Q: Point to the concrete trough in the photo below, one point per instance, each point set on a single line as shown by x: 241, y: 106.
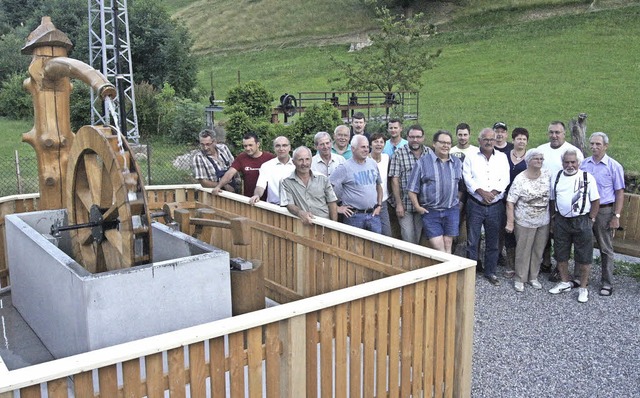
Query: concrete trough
x: 73, y: 311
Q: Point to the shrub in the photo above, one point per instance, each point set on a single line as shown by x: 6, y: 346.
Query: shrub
x: 187, y: 123
x: 147, y: 108
x: 15, y: 101
x: 324, y: 117
x: 80, y: 105
x: 253, y: 97
x: 237, y: 125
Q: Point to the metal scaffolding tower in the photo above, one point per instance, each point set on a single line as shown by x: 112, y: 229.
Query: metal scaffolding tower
x: 110, y: 53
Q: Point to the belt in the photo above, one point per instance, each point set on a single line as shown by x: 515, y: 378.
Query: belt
x: 607, y: 205
x: 482, y: 203
x: 365, y: 211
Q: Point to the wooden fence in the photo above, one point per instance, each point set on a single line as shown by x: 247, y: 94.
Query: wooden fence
x: 362, y: 315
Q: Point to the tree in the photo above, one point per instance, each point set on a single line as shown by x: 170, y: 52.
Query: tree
x: 251, y: 98
x: 396, y: 59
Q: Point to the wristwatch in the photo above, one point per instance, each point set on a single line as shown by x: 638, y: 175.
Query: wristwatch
x: 617, y: 215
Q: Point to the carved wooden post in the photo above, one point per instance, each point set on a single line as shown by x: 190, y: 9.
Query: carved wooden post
x: 50, y: 87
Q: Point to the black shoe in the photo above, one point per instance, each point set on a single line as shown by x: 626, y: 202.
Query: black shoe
x: 493, y: 280
x: 546, y: 268
x: 554, y: 276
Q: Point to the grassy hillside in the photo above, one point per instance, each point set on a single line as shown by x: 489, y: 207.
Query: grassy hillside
x: 526, y: 74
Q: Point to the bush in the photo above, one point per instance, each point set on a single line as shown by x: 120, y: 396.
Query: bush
x: 237, y: 125
x: 324, y: 117
x: 147, y: 108
x: 15, y: 101
x: 253, y: 98
x: 80, y: 104
x: 187, y: 123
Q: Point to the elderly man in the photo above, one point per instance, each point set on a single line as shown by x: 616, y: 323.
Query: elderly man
x: 400, y: 168
x: 609, y: 176
x: 486, y: 175
x: 248, y: 164
x: 324, y: 161
x: 552, y: 152
x: 436, y: 178
x: 273, y: 171
x: 212, y: 161
x: 307, y: 194
x: 341, y: 146
x: 395, y: 141
x: 574, y: 206
x: 358, y: 185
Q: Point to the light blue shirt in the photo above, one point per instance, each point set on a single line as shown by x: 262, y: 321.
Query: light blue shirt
x: 389, y: 148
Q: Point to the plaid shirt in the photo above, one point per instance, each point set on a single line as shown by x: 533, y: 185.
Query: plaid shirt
x: 204, y: 170
x: 401, y: 164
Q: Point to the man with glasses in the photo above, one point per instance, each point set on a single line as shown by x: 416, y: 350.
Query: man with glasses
x: 434, y: 190
x: 486, y: 175
x: 212, y: 161
x: 402, y: 163
x: 552, y: 152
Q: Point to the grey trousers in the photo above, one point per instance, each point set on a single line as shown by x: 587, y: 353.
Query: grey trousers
x: 602, y: 233
x: 411, y: 227
x: 530, y: 243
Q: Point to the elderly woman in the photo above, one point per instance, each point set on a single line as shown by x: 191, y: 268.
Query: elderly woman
x: 528, y: 217
x: 377, y: 145
x: 212, y: 161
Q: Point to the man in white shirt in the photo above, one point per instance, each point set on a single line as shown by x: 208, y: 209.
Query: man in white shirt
x: 486, y: 175
x: 464, y: 147
x: 273, y: 171
x: 324, y: 161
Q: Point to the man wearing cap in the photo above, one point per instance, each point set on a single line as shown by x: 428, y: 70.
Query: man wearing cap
x: 609, y: 176
x: 501, y: 143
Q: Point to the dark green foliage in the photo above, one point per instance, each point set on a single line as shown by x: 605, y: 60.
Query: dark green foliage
x: 189, y: 120
x: 237, y: 125
x: 15, y: 102
x: 11, y: 61
x: 251, y: 98
x: 316, y: 118
x: 80, y: 105
x: 147, y: 108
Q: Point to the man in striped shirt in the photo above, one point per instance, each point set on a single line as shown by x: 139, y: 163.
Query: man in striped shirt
x: 434, y: 189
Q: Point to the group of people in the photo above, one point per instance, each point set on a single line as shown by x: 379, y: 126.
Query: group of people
x: 521, y: 199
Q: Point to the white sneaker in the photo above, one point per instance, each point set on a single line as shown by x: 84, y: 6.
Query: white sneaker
x: 519, y: 286
x: 583, y: 295
x: 561, y: 287
x: 535, y: 284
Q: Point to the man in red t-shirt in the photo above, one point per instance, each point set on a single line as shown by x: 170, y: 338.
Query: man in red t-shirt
x: 248, y: 164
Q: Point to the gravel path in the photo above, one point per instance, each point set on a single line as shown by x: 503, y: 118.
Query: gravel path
x: 534, y: 344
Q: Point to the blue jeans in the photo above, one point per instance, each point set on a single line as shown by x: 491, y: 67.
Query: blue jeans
x: 491, y: 217
x: 365, y: 221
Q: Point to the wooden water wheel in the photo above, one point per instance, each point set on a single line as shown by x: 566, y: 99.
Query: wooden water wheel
x: 105, y: 190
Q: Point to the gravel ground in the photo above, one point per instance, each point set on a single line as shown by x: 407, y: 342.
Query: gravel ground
x: 534, y: 344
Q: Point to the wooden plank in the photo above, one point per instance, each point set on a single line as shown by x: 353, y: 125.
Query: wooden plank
x: 83, y: 384
x: 177, y: 377
x: 254, y: 362
x: 132, y: 379
x: 382, y: 341
x: 429, y: 336
x: 30, y: 392
x: 197, y: 370
x: 108, y: 381
x: 369, y: 348
x: 57, y: 388
x: 450, y: 335
x: 155, y: 375
x: 326, y: 352
x: 217, y: 368
x: 294, y: 370
x: 395, y: 300
x: 417, y: 362
x: 273, y: 360
x: 440, y: 322
x: 312, y: 339
x: 342, y: 314
x: 464, y: 332
x: 236, y: 364
x: 355, y: 349
x: 408, y: 294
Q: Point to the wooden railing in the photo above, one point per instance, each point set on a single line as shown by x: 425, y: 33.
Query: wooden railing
x: 363, y: 315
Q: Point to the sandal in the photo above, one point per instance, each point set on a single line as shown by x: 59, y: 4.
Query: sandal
x: 606, y: 291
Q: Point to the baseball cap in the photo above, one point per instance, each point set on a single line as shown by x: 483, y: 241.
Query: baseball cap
x: 500, y: 125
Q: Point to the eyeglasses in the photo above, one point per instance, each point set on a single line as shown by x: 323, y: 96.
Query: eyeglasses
x: 554, y: 132
x: 487, y: 139
x: 414, y: 137
x: 447, y: 143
